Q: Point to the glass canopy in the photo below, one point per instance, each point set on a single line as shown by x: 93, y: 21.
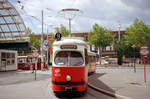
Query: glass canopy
x: 12, y: 26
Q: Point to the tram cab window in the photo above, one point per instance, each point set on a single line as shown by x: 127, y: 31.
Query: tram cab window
x: 76, y: 59
x: 69, y: 58
x: 61, y: 58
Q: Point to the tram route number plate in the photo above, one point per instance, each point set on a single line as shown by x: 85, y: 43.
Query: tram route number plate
x: 68, y: 88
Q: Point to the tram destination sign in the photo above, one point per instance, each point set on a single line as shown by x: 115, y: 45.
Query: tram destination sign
x: 68, y: 47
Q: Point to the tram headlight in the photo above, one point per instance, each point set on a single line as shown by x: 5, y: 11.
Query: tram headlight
x: 68, y: 78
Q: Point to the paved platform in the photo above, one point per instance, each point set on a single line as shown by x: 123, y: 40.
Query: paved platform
x: 119, y: 80
x: 124, y: 81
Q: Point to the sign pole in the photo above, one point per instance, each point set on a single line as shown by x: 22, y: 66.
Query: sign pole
x: 144, y: 70
x: 35, y: 54
x: 35, y: 68
x: 35, y: 74
x: 144, y: 52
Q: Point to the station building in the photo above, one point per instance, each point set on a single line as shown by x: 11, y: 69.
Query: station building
x: 107, y: 51
x: 13, y: 38
x: 12, y: 28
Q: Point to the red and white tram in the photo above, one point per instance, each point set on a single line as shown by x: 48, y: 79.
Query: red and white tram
x: 69, y: 66
x: 23, y: 62
x: 91, y: 62
x: 27, y: 63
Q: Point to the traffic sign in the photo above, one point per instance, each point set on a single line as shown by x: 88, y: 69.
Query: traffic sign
x: 46, y: 42
x: 144, y: 47
x: 35, y: 53
x: 45, y: 48
x: 144, y: 51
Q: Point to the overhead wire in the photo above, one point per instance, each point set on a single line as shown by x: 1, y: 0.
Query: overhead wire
x: 34, y: 17
x: 57, y: 14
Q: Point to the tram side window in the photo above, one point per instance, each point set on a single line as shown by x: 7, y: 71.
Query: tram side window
x: 89, y: 59
x: 94, y: 58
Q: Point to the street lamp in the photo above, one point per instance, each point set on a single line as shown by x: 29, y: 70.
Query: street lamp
x: 119, y: 32
x: 42, y: 32
x: 69, y: 14
x: 42, y: 35
x: 133, y: 46
x: 42, y: 60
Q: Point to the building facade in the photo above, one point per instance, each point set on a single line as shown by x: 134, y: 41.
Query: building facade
x: 109, y: 50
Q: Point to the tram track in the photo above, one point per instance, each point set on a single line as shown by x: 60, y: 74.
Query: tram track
x: 97, y: 86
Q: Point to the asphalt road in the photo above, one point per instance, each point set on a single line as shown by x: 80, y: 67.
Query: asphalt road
x: 22, y: 85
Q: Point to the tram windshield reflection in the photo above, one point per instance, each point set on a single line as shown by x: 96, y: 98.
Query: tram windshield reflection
x: 69, y: 58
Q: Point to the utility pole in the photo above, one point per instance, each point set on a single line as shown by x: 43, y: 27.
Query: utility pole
x: 134, y: 60
x: 47, y: 47
x: 42, y: 43
x: 70, y: 27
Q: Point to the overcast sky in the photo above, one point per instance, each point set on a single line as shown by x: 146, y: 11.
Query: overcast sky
x: 107, y: 13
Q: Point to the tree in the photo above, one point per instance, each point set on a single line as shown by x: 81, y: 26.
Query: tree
x: 137, y: 34
x: 34, y: 42
x: 100, y: 37
x: 52, y: 39
x: 62, y: 29
x: 121, y: 49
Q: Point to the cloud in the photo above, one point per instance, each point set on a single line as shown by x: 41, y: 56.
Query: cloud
x: 140, y: 9
x: 142, y: 4
x: 107, y: 13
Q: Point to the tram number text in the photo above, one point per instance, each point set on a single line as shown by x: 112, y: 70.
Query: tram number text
x: 57, y: 74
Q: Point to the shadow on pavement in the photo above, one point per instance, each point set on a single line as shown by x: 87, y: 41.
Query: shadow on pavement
x: 95, y: 81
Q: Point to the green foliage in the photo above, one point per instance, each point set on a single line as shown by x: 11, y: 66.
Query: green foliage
x: 34, y: 42
x: 119, y: 57
x: 52, y: 39
x: 125, y: 50
x: 137, y: 34
x: 120, y: 48
x: 62, y: 29
x: 100, y: 37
